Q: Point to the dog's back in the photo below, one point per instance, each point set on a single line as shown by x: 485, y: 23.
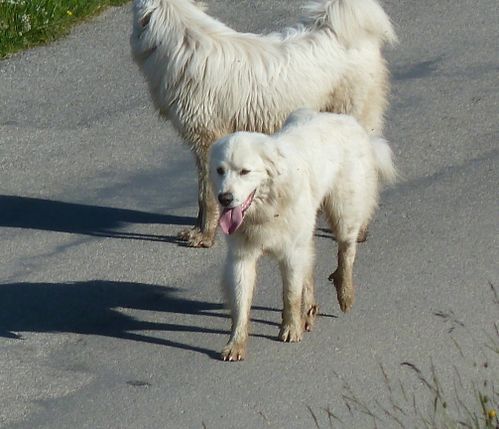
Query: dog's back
x: 339, y: 161
x: 327, y: 144
x: 329, y: 139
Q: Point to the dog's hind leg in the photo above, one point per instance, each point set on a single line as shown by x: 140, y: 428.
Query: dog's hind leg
x: 346, y: 231
x: 343, y: 276
x: 363, y: 233
x: 239, y: 282
x: 203, y: 233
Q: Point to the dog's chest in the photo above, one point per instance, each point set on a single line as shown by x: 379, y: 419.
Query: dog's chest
x: 271, y: 237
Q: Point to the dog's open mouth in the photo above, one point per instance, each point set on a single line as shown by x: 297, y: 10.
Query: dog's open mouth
x: 232, y: 218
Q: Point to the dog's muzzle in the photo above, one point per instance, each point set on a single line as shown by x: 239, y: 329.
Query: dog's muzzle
x: 225, y: 198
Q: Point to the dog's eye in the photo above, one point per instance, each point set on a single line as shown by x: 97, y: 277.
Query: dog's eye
x: 145, y: 20
x: 220, y: 171
x: 244, y: 172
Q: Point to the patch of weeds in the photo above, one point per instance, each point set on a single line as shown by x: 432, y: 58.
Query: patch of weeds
x: 431, y: 403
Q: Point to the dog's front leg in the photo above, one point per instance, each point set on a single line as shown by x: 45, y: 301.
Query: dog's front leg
x: 208, y: 205
x: 310, y: 308
x: 295, y: 268
x: 203, y: 233
x: 239, y: 282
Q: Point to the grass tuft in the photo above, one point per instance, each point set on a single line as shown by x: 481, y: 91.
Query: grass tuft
x: 28, y: 23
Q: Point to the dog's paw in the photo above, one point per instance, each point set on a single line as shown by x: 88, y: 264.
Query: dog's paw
x: 310, y: 317
x: 290, y: 333
x: 344, y: 292
x: 233, y: 352
x: 185, y: 234
x: 194, y: 237
x: 345, y: 300
x: 363, y: 233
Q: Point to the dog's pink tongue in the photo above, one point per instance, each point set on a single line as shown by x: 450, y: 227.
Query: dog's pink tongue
x: 231, y: 219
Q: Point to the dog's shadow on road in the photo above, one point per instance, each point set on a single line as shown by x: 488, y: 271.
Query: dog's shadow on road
x: 93, y: 307
x: 48, y: 215
x: 100, y: 308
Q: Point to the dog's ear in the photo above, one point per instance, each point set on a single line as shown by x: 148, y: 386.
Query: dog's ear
x: 273, y: 159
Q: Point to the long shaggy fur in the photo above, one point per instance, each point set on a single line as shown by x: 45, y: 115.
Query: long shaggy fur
x: 278, y: 183
x: 211, y: 80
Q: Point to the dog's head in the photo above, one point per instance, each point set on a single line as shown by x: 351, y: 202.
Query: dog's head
x: 162, y: 45
x: 160, y: 25
x: 144, y: 39
x: 242, y: 168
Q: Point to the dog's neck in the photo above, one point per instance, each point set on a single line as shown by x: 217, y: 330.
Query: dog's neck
x: 189, y: 24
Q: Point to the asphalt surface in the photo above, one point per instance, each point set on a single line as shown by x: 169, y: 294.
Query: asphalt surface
x: 106, y: 322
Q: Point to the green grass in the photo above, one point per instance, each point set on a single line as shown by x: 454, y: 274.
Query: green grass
x: 28, y: 23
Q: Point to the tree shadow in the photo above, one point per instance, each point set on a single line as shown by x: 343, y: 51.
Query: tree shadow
x: 47, y: 215
x: 417, y: 70
x: 91, y: 308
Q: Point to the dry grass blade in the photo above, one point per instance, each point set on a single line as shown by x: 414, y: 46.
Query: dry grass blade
x: 391, y: 415
x: 314, y: 417
x: 419, y: 374
x: 360, y: 406
x: 330, y: 415
x: 494, y: 292
x: 458, y: 347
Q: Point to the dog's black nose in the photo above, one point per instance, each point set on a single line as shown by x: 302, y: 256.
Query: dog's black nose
x: 225, y: 198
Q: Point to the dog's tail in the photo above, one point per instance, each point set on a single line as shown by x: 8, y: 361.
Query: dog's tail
x: 384, y: 160
x: 351, y: 20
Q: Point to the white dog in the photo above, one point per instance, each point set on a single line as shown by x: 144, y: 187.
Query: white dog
x: 270, y: 189
x: 211, y: 80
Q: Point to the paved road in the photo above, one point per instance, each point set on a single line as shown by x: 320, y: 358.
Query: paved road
x: 105, y: 322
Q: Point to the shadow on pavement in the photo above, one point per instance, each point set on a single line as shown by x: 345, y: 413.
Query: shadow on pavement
x: 91, y: 308
x: 47, y: 215
x: 417, y: 70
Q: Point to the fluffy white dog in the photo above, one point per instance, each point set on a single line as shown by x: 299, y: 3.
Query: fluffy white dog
x: 270, y: 189
x: 211, y: 80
